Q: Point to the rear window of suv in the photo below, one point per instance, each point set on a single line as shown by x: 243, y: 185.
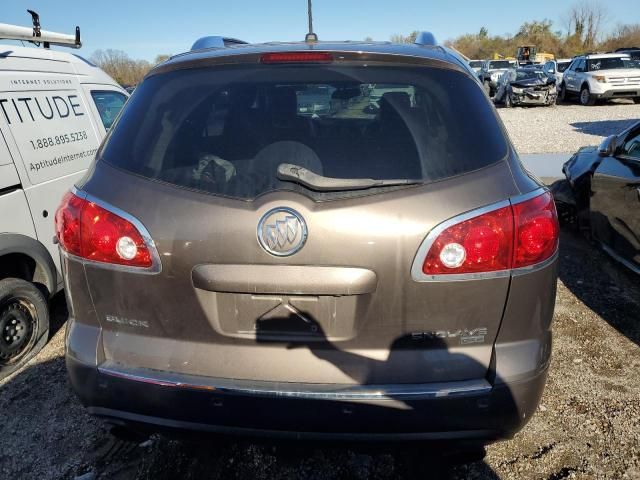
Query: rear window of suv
x: 607, y: 63
x: 226, y: 130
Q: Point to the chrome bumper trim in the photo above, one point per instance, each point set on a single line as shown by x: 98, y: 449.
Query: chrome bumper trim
x: 298, y: 390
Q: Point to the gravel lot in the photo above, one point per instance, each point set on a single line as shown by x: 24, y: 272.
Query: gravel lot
x: 587, y: 427
x: 564, y: 128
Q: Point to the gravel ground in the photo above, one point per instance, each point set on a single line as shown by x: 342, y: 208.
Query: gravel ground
x: 587, y: 427
x: 565, y: 128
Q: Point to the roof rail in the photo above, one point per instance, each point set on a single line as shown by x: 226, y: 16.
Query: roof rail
x: 37, y: 36
x: 216, y: 42
x: 426, y: 39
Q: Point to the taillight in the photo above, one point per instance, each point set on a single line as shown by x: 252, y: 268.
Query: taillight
x: 511, y: 236
x: 67, y: 222
x: 480, y: 244
x: 296, y: 57
x: 537, y: 230
x: 87, y: 230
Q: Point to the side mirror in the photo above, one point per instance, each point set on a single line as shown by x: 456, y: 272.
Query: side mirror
x: 552, y: 70
x: 579, y: 70
x: 608, y: 146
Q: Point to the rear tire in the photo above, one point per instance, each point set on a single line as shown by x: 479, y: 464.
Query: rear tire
x: 583, y: 207
x: 507, y: 100
x: 586, y: 98
x: 487, y: 88
x: 24, y: 323
x: 636, y: 100
x: 562, y: 94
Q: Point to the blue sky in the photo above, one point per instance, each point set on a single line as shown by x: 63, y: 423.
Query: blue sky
x: 145, y: 28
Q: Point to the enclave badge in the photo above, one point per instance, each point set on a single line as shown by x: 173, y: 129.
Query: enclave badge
x: 282, y: 231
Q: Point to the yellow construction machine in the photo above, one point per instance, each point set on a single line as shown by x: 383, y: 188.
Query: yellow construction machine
x: 529, y: 54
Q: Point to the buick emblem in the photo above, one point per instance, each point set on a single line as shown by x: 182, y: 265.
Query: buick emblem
x: 282, y: 231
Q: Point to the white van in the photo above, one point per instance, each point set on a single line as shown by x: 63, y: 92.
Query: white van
x: 55, y: 109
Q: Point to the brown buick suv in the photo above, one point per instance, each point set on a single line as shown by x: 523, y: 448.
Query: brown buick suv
x: 322, y: 240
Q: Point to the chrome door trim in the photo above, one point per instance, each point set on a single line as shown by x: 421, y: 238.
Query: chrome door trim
x: 620, y: 259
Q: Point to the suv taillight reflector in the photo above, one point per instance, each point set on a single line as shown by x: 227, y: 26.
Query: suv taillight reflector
x: 296, y: 57
x: 88, y: 230
x: 537, y: 231
x: 513, y: 236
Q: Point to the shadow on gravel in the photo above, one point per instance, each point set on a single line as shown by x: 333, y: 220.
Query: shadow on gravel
x: 603, y: 127
x: 603, y: 285
x: 217, y: 459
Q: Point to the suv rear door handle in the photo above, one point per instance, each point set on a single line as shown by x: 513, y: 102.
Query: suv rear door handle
x: 284, y: 279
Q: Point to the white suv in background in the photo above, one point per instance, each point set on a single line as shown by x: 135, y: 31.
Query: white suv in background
x: 556, y: 68
x: 601, y: 77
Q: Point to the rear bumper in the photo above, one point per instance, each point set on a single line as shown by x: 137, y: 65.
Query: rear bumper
x: 161, y: 400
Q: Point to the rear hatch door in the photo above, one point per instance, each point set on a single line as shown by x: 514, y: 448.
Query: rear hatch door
x: 265, y: 278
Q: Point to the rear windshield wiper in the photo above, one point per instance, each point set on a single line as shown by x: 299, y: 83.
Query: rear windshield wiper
x: 295, y: 173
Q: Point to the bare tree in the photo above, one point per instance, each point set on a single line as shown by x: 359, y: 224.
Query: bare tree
x: 162, y: 57
x: 120, y: 66
x: 585, y: 20
x: 623, y: 36
x: 411, y: 38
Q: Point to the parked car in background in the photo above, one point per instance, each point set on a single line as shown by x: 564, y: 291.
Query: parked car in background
x: 286, y: 263
x: 491, y: 72
x: 633, y: 52
x: 605, y: 194
x: 557, y: 68
x: 55, y: 110
x: 476, y: 65
x: 601, y: 77
x: 526, y: 86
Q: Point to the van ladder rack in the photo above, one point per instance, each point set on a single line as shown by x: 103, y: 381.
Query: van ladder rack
x: 37, y: 36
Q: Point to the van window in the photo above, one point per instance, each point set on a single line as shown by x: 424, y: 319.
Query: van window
x: 109, y: 104
x: 226, y: 130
